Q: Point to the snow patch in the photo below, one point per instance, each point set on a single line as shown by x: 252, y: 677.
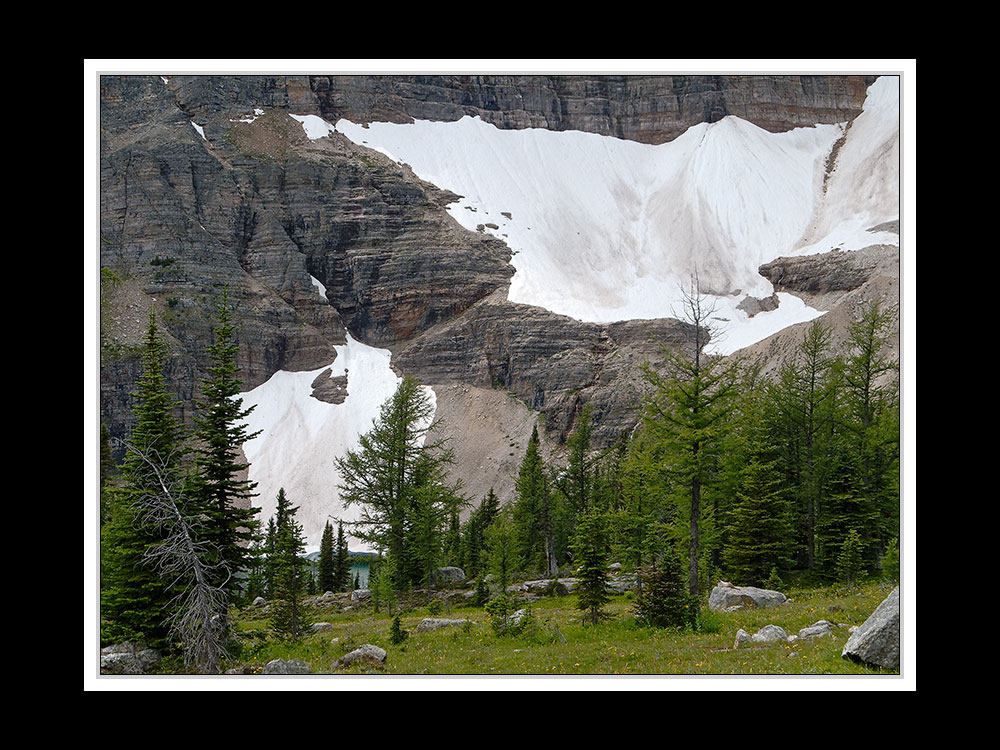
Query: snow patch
x: 320, y: 288
x: 300, y: 435
x: 314, y: 126
x: 250, y: 118
x: 200, y: 129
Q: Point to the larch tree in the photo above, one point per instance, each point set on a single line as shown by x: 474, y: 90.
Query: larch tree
x: 687, y: 413
x: 398, y: 480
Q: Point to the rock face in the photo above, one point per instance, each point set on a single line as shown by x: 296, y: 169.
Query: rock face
x: 553, y: 363
x: 648, y: 109
x: 876, y: 642
x: 726, y: 597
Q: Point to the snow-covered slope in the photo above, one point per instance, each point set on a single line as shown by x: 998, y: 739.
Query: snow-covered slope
x: 300, y: 435
x: 863, y: 189
x: 604, y: 229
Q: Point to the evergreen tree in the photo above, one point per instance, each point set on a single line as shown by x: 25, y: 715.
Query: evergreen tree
x: 758, y: 535
x: 222, y: 495
x: 270, y: 558
x: 502, y: 554
x: 343, y: 561
x: 534, y: 512
x: 800, y: 412
x: 135, y: 601
x: 289, y: 617
x: 664, y: 600
x: 849, y: 561
x: 474, y: 535
x: 871, y: 401
x: 590, y: 551
x: 688, y: 412
x: 327, y: 561
x: 578, y: 480
x: 890, y: 562
x: 398, y: 479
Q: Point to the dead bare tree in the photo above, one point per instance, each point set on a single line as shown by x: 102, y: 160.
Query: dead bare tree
x: 182, y: 558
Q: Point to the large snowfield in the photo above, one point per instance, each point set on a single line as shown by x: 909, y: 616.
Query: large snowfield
x: 601, y: 229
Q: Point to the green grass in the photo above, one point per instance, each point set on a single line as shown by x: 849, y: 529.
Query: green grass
x: 616, y: 646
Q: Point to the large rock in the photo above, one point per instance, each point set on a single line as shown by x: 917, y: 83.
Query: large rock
x: 876, y: 642
x: 128, y: 658
x: 436, y: 623
x: 280, y: 666
x: 448, y: 575
x: 726, y: 597
x: 366, y: 653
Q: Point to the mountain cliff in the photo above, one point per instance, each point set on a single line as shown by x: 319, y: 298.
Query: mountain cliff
x: 341, y: 251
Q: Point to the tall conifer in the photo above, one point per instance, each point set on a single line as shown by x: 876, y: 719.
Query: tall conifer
x: 222, y: 493
x: 135, y: 601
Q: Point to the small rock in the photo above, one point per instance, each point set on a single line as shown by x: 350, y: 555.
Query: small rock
x: 770, y: 634
x: 361, y: 595
x: 259, y: 601
x: 742, y: 637
x: 817, y: 630
x: 319, y: 627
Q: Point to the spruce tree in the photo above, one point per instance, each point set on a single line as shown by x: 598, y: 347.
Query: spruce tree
x: 289, y: 617
x: 327, y: 561
x: 759, y: 531
x: 534, y: 512
x: 135, y: 601
x: 590, y: 554
x: 474, y: 535
x: 342, y: 569
x: 849, y: 561
x: 664, y: 600
x: 221, y: 492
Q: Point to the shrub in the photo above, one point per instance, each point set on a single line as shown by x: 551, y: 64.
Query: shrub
x: 397, y: 635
